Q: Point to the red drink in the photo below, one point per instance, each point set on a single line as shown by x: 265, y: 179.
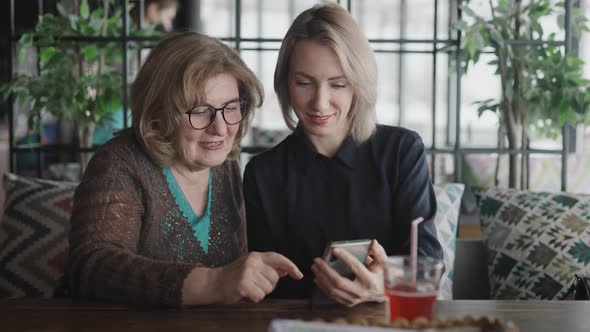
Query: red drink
x: 411, y: 302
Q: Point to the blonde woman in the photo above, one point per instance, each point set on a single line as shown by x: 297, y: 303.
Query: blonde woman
x: 158, y: 218
x: 339, y: 176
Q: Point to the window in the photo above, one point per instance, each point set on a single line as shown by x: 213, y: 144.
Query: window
x: 418, y: 86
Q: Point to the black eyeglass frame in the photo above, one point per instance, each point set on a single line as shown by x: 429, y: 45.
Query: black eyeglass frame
x: 213, y: 110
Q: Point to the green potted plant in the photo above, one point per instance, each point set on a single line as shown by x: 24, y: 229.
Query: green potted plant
x: 78, y: 80
x: 542, y: 87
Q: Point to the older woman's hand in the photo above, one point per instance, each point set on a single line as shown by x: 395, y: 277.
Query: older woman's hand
x: 367, y: 284
x: 253, y: 276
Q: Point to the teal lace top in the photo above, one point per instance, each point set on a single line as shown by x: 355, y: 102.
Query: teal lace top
x: 200, y: 225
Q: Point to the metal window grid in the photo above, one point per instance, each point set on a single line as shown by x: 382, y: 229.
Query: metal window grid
x: 438, y: 45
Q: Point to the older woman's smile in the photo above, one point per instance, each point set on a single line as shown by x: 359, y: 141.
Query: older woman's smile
x: 211, y: 145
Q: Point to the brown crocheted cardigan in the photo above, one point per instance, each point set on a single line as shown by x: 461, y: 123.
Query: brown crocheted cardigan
x: 130, y: 242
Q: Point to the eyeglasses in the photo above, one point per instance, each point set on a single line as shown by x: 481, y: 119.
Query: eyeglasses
x: 201, y: 117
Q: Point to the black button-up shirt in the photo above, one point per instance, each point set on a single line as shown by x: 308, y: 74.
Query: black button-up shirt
x: 298, y: 200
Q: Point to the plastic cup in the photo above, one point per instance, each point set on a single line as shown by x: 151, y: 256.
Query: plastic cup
x: 406, y: 299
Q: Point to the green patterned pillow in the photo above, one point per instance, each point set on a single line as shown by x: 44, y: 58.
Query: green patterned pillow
x: 535, y: 241
x: 448, y: 199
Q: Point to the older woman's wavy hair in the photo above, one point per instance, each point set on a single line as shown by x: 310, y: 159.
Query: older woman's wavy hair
x: 172, y: 81
x: 331, y: 25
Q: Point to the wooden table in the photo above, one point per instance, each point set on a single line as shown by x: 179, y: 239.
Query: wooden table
x: 63, y: 315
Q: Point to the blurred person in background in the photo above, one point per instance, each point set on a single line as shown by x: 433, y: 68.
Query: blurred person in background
x: 158, y: 13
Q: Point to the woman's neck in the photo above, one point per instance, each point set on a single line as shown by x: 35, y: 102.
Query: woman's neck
x: 328, y: 145
x: 194, y: 185
x: 188, y: 176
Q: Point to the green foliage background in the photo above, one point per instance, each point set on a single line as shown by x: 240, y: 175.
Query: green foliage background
x: 548, y: 84
x: 81, y: 81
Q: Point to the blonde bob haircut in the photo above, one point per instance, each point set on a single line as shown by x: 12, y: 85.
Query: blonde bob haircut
x: 172, y: 81
x: 331, y: 25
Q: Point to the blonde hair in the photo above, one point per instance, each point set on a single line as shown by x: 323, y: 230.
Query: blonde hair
x: 331, y: 25
x: 172, y: 81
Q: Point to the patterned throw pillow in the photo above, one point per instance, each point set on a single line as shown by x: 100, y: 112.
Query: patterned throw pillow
x: 536, y: 242
x: 33, y: 235
x: 448, y: 198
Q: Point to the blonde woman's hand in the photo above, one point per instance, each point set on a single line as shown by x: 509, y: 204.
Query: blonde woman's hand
x: 367, y: 284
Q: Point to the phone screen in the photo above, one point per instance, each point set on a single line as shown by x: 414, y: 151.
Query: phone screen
x: 358, y: 248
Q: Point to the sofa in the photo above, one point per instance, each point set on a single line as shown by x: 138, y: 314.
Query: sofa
x: 35, y: 225
x: 532, y: 242
x: 471, y: 281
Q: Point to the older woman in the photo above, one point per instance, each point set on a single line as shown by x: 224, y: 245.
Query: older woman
x: 158, y: 218
x: 339, y: 176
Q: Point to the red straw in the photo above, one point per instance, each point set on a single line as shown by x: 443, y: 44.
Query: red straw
x: 414, y: 248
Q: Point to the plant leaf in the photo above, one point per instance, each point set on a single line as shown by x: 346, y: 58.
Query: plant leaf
x: 47, y: 53
x: 21, y: 54
x: 90, y: 52
x: 496, y: 36
x: 26, y: 39
x: 461, y: 25
x: 467, y: 11
x: 61, y: 9
x: 84, y: 10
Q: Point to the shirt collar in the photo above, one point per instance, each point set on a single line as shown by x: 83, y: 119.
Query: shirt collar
x: 306, y: 152
x: 348, y: 151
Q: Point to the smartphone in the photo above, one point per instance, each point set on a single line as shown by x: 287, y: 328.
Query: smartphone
x: 358, y: 248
